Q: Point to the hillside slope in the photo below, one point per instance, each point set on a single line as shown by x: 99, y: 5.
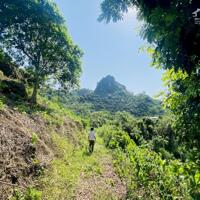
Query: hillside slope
x: 44, y: 155
x: 27, y: 148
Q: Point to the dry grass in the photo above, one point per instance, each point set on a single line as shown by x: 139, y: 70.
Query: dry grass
x: 26, y: 148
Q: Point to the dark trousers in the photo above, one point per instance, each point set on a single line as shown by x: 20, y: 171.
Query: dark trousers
x: 91, y: 145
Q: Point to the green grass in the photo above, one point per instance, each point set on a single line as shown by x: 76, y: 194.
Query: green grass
x: 62, y: 178
x: 2, y: 103
x: 71, y: 162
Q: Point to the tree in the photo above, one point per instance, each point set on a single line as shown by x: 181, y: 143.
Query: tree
x: 113, y: 99
x: 15, y: 12
x: 183, y: 99
x: 171, y: 29
x: 169, y: 26
x: 43, y: 45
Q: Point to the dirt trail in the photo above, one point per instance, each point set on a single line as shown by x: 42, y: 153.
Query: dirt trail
x: 103, y: 185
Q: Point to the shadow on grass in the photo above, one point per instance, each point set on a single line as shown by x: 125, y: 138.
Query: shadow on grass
x: 196, y: 196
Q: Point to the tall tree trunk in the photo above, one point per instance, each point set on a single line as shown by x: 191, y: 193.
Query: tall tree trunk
x: 33, y: 99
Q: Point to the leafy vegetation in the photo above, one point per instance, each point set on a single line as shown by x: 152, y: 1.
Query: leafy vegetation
x: 149, y: 175
x: 170, y: 28
x: 169, y: 25
x: 183, y: 100
x: 40, y: 42
x: 155, y: 151
x: 109, y: 95
x: 2, y: 103
x: 31, y: 194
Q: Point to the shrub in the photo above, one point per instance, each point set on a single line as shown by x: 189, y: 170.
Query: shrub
x: 33, y: 194
x: 13, y: 89
x: 34, y: 139
x: 147, y: 174
x: 2, y: 104
x: 30, y: 194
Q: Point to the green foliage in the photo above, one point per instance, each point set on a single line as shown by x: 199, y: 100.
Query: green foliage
x: 110, y: 95
x: 30, y: 194
x: 168, y: 25
x: 183, y: 100
x: 125, y: 121
x: 13, y: 89
x: 33, y: 194
x: 51, y: 110
x: 8, y: 67
x: 42, y: 45
x: 2, y: 103
x: 16, y: 12
x: 56, y: 112
x: 114, y: 138
x: 98, y: 119
x: 147, y: 174
x: 170, y: 28
x: 34, y: 139
x: 113, y: 99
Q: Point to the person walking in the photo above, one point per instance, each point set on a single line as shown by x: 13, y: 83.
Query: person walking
x: 91, y: 139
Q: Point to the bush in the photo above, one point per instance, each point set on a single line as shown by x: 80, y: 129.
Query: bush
x: 99, y: 119
x: 2, y: 103
x: 147, y: 174
x: 34, y: 139
x: 30, y: 194
x: 13, y: 89
x: 33, y: 194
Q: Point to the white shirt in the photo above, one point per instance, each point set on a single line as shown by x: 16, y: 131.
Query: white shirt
x: 92, y: 136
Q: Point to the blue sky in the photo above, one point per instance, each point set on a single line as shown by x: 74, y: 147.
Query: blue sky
x: 110, y: 48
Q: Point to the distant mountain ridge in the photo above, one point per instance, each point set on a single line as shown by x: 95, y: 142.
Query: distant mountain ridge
x: 109, y: 86
x: 109, y: 95
x: 112, y: 96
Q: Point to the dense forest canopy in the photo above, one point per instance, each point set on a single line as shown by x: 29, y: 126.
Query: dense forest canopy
x: 109, y: 95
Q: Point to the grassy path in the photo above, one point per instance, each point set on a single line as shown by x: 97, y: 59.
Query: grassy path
x: 101, y: 184
x: 78, y: 175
